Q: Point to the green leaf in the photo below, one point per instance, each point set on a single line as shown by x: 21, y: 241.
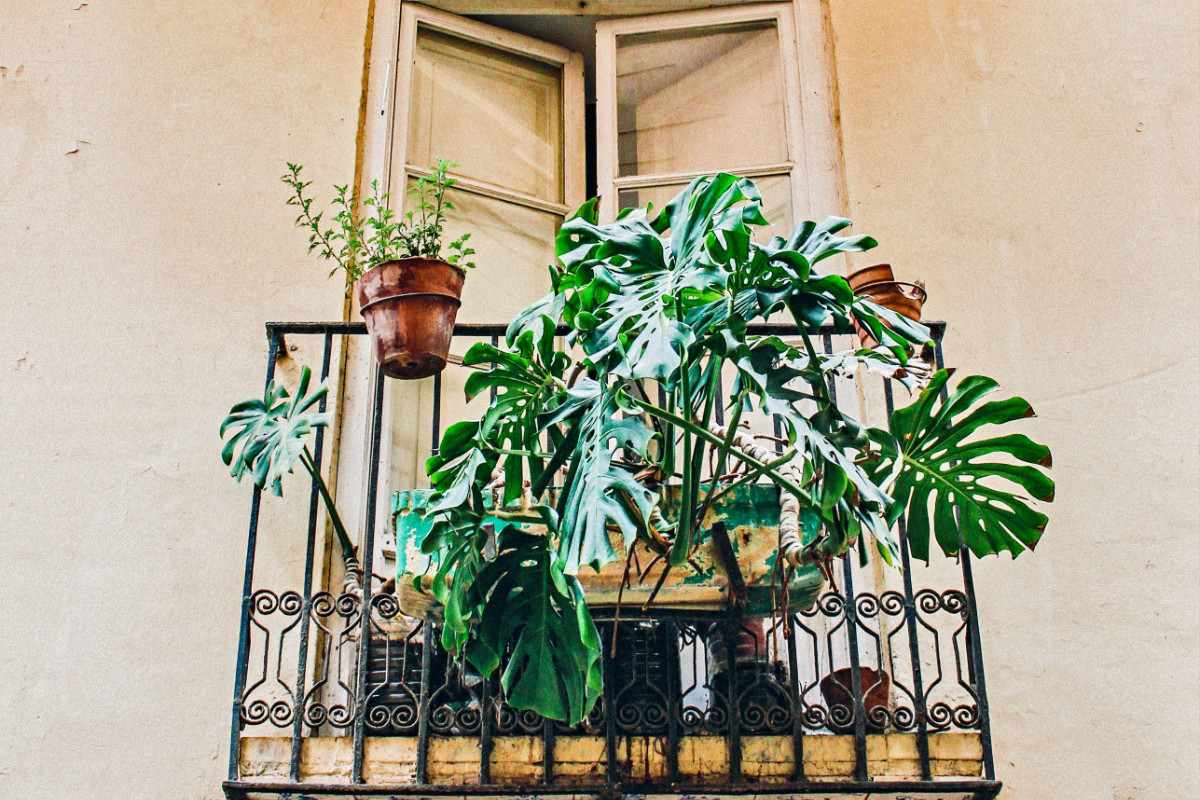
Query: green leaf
x: 267, y: 437
x: 527, y: 604
x: 960, y: 490
x: 599, y: 491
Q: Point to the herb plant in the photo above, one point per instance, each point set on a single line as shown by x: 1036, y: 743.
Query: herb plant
x: 572, y: 440
x: 355, y: 244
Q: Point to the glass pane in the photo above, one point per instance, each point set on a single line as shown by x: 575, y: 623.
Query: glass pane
x: 496, y: 114
x: 699, y: 99
x: 514, y: 243
x: 776, y: 191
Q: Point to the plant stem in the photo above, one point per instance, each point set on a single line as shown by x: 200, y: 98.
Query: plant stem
x: 709, y: 436
x: 340, y: 529
x: 722, y: 454
x: 683, y: 530
x: 753, y: 473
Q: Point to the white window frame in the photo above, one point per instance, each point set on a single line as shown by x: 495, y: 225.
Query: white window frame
x: 384, y: 148
x: 570, y: 63
x: 813, y: 141
x: 810, y: 135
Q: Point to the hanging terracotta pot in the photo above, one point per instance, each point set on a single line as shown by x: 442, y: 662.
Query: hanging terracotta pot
x: 409, y: 306
x: 878, y: 284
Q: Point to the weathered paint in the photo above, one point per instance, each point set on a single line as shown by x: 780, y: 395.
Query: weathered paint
x: 750, y: 513
x: 581, y: 759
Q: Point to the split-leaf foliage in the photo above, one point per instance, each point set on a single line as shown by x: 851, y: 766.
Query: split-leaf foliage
x: 663, y: 300
x: 657, y: 304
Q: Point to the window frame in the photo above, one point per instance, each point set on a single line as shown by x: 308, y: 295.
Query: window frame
x: 413, y: 16
x: 609, y: 183
x: 805, y: 25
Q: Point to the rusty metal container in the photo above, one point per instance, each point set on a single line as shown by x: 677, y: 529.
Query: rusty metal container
x: 409, y: 306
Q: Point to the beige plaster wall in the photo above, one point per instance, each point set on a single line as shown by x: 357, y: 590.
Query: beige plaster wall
x: 1036, y: 164
x: 144, y: 242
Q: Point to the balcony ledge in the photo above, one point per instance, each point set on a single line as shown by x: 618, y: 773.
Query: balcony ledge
x: 389, y: 766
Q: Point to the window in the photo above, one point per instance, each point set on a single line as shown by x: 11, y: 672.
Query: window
x: 508, y: 110
x: 681, y: 95
x: 542, y: 110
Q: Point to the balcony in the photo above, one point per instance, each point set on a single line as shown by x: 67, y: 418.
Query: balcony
x: 347, y: 695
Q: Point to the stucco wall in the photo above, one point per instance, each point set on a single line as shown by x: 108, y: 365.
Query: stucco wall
x: 1036, y: 164
x: 145, y: 241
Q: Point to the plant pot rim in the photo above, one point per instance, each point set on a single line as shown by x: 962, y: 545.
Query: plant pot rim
x: 459, y: 269
x: 916, y: 289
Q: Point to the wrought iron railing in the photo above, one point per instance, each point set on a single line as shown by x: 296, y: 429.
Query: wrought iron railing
x: 312, y: 664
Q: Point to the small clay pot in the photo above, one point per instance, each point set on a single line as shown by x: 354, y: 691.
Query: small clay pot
x: 905, y: 299
x: 748, y: 643
x: 876, y: 273
x: 410, y: 305
x: 876, y: 688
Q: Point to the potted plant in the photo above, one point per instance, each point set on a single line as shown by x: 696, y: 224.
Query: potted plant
x: 574, y: 447
x: 409, y: 285
x: 877, y: 283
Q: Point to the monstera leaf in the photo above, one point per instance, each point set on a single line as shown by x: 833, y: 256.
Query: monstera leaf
x: 597, y: 489
x: 269, y: 434
x: 536, y: 614
x: 524, y: 381
x: 951, y: 484
x: 638, y: 294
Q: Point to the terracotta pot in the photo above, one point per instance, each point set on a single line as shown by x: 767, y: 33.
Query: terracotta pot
x: 748, y: 645
x: 905, y: 299
x: 409, y: 306
x: 876, y: 273
x: 837, y: 690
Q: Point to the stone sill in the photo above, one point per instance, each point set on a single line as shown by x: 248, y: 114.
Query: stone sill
x: 579, y: 760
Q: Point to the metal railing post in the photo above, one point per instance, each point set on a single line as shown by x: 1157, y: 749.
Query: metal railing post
x: 367, y: 560
x: 910, y: 622
x: 306, y: 604
x: 243, y: 649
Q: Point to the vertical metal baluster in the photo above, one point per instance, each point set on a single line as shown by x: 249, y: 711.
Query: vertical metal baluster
x: 547, y: 751
x: 674, y: 699
x: 610, y: 722
x: 368, y: 559
x: 486, y: 719
x: 794, y: 692
x: 243, y: 650
x: 437, y: 412
x: 495, y: 343
x: 485, y: 730
x: 860, y: 713
x: 428, y: 637
x: 731, y: 629
x: 305, y: 606
x: 794, y: 695
x: 973, y: 642
x: 910, y: 622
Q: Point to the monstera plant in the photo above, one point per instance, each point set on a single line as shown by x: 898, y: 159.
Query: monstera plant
x: 656, y: 304
x: 266, y: 438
